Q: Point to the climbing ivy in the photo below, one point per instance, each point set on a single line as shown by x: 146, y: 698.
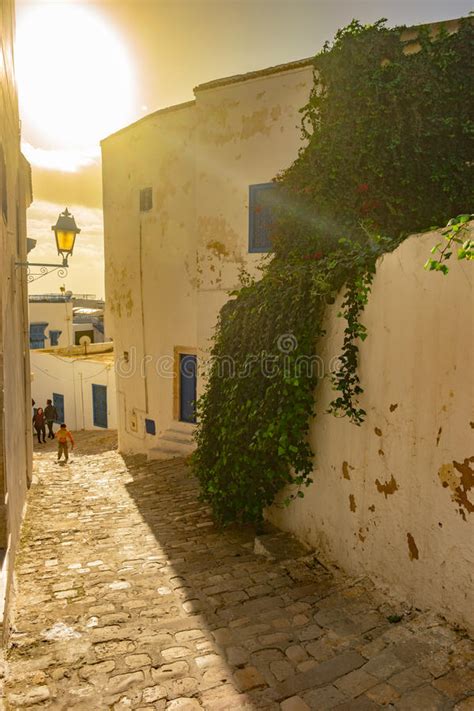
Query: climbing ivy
x: 455, y: 234
x: 388, y: 134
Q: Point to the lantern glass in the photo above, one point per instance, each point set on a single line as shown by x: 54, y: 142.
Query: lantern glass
x: 65, y: 231
x: 65, y: 240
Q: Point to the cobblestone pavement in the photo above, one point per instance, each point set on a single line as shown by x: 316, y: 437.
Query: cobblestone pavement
x: 130, y: 598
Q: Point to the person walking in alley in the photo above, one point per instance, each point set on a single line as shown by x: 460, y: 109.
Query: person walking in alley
x: 62, y: 436
x: 51, y: 415
x: 39, y: 424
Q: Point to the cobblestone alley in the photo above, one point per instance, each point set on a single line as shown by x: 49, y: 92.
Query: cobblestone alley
x: 130, y: 598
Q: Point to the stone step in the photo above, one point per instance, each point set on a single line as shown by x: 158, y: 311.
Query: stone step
x: 177, y: 441
x: 183, y: 427
x: 177, y: 436
x: 167, y: 445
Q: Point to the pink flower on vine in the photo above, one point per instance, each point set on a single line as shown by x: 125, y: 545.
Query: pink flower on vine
x: 362, y: 187
x: 369, y: 205
x: 314, y: 255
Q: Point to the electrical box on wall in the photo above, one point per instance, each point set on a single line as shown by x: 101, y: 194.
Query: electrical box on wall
x: 133, y: 421
x: 150, y: 426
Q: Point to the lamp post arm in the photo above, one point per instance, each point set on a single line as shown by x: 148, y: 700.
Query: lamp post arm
x: 36, y: 264
x: 43, y: 264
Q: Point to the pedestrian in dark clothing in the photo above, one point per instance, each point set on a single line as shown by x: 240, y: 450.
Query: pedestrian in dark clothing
x: 51, y: 416
x: 40, y: 424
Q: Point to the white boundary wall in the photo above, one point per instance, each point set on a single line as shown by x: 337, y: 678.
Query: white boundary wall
x: 394, y: 498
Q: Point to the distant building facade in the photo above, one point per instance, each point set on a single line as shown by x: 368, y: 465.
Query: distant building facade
x: 80, y: 382
x: 65, y: 319
x: 15, y: 394
x: 187, y: 206
x: 51, y: 321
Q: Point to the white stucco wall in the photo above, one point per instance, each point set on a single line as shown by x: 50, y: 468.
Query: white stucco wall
x: 58, y: 316
x: 393, y: 498
x: 73, y: 376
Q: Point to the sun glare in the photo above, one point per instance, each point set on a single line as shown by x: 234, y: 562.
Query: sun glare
x: 75, y: 78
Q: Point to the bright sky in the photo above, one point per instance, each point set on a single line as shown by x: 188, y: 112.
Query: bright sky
x: 85, y: 69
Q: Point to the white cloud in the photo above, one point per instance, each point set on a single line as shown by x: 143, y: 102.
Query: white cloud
x: 65, y: 160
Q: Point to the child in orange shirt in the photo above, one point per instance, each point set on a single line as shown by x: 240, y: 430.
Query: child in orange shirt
x: 62, y: 436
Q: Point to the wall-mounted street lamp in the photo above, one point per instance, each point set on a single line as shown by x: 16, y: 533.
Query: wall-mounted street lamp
x: 65, y: 231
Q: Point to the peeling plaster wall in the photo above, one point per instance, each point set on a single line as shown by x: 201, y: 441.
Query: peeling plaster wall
x: 247, y: 132
x: 393, y: 498
x: 15, y: 396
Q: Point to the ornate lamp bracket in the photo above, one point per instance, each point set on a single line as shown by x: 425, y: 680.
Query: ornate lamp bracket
x: 37, y: 270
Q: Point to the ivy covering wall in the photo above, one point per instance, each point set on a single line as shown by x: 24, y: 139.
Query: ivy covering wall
x: 388, y: 152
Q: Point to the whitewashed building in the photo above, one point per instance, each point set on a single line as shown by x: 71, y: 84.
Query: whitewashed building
x: 15, y: 396
x: 80, y: 382
x: 186, y: 194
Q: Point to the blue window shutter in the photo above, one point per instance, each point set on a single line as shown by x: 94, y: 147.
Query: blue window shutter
x: 54, y: 337
x: 262, y: 203
x: 37, y: 334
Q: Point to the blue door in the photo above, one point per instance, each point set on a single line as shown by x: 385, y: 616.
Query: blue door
x: 58, y: 402
x: 99, y: 405
x: 187, y: 387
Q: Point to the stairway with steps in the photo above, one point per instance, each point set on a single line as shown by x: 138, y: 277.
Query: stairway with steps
x: 177, y: 441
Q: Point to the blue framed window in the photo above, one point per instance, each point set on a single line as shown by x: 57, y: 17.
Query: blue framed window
x: 37, y: 334
x: 54, y: 337
x: 262, y: 203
